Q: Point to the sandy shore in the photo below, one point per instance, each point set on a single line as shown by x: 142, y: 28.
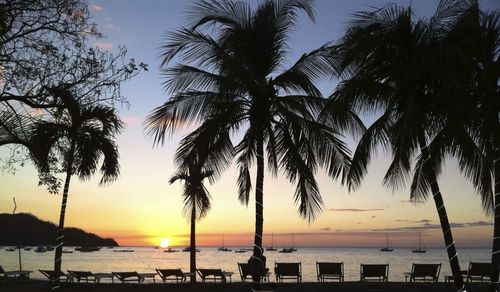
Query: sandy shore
x: 8, y: 285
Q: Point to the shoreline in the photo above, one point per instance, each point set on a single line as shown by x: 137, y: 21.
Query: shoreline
x: 16, y: 285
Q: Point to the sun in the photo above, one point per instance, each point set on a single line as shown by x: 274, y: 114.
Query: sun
x: 164, y: 242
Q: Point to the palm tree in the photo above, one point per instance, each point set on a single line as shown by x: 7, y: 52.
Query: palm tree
x: 196, y: 203
x: 391, y: 64
x: 80, y: 135
x: 228, y: 80
x: 472, y: 129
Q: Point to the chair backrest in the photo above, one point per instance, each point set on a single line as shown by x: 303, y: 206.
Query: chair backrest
x: 170, y: 272
x: 210, y: 272
x: 124, y: 275
x: 328, y: 268
x: 51, y: 274
x: 480, y: 269
x: 426, y: 270
x: 244, y: 269
x: 374, y: 270
x: 2, y: 270
x: 81, y: 274
x: 287, y: 269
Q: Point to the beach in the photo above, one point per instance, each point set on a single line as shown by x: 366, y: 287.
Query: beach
x: 40, y: 285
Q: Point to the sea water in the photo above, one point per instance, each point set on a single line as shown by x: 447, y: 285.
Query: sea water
x: 147, y: 259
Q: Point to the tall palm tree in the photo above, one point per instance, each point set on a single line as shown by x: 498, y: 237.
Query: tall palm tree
x: 80, y: 136
x: 391, y: 65
x: 229, y: 80
x: 196, y: 203
x: 473, y: 133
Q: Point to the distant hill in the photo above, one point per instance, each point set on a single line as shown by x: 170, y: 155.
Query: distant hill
x: 33, y: 231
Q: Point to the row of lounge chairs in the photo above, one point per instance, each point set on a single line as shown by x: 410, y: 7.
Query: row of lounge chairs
x: 426, y: 273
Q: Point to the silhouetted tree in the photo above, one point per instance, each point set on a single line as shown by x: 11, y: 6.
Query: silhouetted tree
x: 392, y: 64
x: 45, y: 45
x: 229, y: 81
x: 78, y: 137
x: 196, y: 203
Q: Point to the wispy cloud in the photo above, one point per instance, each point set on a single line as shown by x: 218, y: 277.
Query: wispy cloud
x: 356, y: 210
x: 130, y: 120
x: 325, y: 229
x: 428, y: 225
x: 414, y: 221
x: 111, y: 27
x: 103, y: 45
x: 95, y: 8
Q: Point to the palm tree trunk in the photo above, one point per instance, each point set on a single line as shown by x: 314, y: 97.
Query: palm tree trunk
x: 258, y: 260
x: 62, y: 215
x: 443, y: 219
x: 192, y: 252
x: 495, y: 253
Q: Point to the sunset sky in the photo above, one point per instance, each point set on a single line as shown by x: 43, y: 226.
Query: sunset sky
x: 141, y: 207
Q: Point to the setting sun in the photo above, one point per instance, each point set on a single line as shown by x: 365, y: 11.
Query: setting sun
x: 164, y: 242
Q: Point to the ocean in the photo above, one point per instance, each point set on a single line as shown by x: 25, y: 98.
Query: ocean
x: 147, y: 259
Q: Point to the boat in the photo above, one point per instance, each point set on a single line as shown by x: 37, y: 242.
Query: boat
x: 241, y: 250
x: 171, y: 250
x: 87, y: 248
x: 387, y: 246
x: 123, y: 250
x: 223, y: 247
x: 272, y: 247
x: 10, y: 249
x: 289, y: 249
x: 40, y: 249
x: 67, y: 251
x: 188, y: 249
x: 27, y: 248
x: 421, y: 248
x: 49, y: 248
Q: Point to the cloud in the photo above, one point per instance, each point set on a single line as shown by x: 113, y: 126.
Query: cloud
x: 413, y: 221
x: 103, y: 45
x: 130, y: 120
x: 325, y: 229
x: 356, y: 210
x: 428, y: 225
x: 95, y: 8
x: 373, y: 217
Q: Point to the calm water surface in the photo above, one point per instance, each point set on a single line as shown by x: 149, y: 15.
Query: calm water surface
x: 147, y: 259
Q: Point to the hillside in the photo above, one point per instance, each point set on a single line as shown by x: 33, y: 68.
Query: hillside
x: 33, y: 231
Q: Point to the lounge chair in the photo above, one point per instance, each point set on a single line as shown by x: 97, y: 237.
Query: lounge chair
x: 478, y: 272
x: 426, y: 273
x: 374, y: 276
x: 82, y: 275
x: 173, y: 274
x: 128, y: 277
x: 15, y: 274
x: 246, y: 273
x: 330, y: 271
x: 284, y: 271
x: 51, y: 275
x: 214, y: 274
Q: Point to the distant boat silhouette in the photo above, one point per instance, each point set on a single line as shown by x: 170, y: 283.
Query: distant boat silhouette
x: 421, y: 248
x: 387, y: 247
x: 171, y: 250
x: 241, y: 250
x: 40, y: 249
x: 272, y: 247
x: 223, y: 248
x: 289, y: 249
x: 87, y: 248
x: 123, y: 250
x: 188, y: 249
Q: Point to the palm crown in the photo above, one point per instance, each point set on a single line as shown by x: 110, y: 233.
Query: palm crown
x: 229, y: 81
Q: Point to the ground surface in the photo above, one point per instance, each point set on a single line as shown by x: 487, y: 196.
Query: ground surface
x: 36, y: 285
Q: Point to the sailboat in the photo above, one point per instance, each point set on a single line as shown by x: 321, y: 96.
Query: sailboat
x: 387, y: 247
x: 272, y: 247
x: 289, y: 249
x: 420, y: 249
x: 223, y: 247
